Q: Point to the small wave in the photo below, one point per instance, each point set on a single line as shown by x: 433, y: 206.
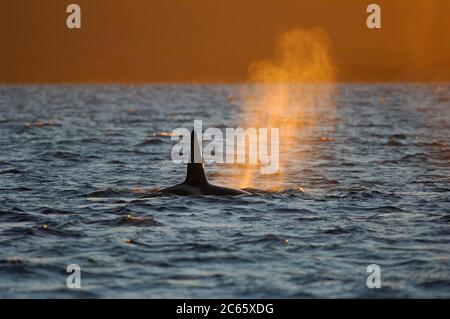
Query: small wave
x: 152, y: 141
x: 265, y: 239
x: 65, y: 155
x: 144, y: 190
x: 45, y: 229
x: 252, y: 218
x: 438, y: 144
x: 285, y: 191
x: 18, y: 231
x: 368, y: 194
x: 445, y: 218
x: 10, y: 171
x: 309, y: 219
x: 17, y: 216
x: 162, y: 134
x: 132, y: 151
x: 15, y: 265
x: 435, y: 284
x: 287, y: 210
x: 136, y: 221
x: 340, y: 230
x: 54, y: 211
x: 443, y: 99
x: 201, y: 247
x: 326, y: 139
x: 418, y: 157
x: 43, y: 123
x: 117, y: 211
x: 411, y: 262
x: 16, y: 189
x: 109, y: 192
x: 124, y: 215
x: 398, y: 136
x: 394, y: 142
x: 116, y: 162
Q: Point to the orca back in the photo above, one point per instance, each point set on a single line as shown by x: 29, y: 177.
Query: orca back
x: 196, y: 182
x: 195, y: 175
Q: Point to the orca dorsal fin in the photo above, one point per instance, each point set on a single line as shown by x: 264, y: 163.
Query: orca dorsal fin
x: 195, y: 171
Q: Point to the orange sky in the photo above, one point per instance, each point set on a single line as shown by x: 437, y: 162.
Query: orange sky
x: 216, y: 40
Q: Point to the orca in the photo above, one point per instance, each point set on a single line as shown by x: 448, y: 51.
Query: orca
x: 196, y: 182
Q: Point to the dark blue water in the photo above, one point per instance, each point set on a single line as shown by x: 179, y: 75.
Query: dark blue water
x: 80, y: 166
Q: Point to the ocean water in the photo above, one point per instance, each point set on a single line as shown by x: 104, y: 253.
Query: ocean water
x: 367, y: 182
